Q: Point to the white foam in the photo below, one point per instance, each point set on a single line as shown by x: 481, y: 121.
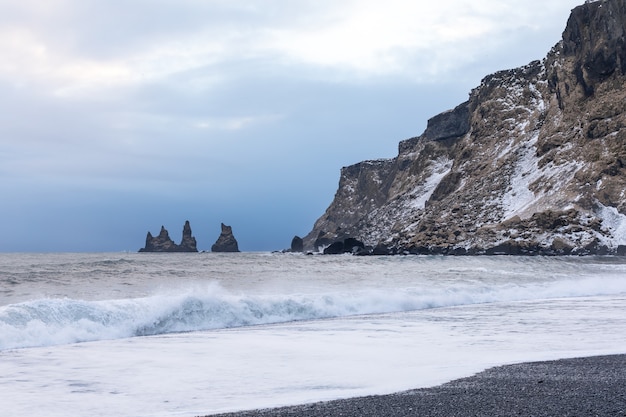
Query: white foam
x: 200, y: 373
x: 47, y: 322
x: 506, y: 309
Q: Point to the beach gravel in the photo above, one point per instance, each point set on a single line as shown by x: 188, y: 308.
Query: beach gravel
x: 591, y: 386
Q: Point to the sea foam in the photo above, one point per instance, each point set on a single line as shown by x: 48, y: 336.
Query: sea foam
x: 50, y: 321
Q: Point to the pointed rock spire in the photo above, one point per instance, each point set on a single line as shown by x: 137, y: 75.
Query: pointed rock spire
x: 163, y: 242
x: 226, y: 242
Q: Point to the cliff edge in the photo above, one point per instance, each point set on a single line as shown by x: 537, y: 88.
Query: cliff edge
x: 533, y: 163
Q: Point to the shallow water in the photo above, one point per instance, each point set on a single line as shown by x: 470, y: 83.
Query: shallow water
x: 189, y: 334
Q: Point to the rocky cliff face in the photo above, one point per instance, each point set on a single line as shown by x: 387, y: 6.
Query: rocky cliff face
x: 533, y: 163
x: 163, y: 242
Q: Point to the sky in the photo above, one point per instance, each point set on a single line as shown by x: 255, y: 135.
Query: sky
x: 118, y: 117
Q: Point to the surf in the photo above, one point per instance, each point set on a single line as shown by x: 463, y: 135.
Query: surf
x: 52, y: 321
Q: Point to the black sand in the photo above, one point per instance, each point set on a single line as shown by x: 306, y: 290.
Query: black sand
x: 594, y: 386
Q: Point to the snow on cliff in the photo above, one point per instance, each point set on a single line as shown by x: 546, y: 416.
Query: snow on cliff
x: 533, y: 163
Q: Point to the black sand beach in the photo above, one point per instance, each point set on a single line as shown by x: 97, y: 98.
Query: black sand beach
x: 593, y: 386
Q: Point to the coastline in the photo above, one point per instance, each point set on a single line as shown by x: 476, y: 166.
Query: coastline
x: 589, y: 386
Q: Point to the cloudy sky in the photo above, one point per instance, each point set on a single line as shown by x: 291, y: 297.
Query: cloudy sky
x: 117, y: 117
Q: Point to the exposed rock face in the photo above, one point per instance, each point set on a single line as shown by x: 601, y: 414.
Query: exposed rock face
x: 297, y: 245
x: 163, y: 243
x: 533, y: 163
x: 188, y: 242
x: 349, y: 245
x: 226, y: 242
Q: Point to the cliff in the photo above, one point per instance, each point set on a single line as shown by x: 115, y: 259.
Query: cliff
x: 163, y: 242
x: 533, y: 163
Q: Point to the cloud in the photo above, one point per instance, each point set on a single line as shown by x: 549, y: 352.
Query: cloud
x: 230, y: 107
x: 76, y: 47
x: 235, y: 123
x: 416, y: 40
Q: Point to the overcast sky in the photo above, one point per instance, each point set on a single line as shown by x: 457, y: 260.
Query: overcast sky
x: 117, y: 117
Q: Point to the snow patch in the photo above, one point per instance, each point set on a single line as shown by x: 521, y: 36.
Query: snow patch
x: 615, y: 223
x: 519, y: 198
x: 539, y: 104
x: 424, y: 191
x: 526, y: 172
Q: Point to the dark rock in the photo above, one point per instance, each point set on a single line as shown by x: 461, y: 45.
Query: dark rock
x: 595, y: 36
x: 506, y: 248
x: 163, y: 242
x: 188, y: 242
x: 438, y: 250
x: 347, y: 245
x: 335, y: 248
x: 353, y: 245
x: 551, y: 220
x: 323, y: 239
x: 419, y: 250
x: 160, y: 243
x: 560, y: 247
x: 621, y: 250
x: 447, y: 125
x: 382, y: 249
x: 459, y: 252
x: 226, y: 242
x: 297, y: 245
x: 364, y: 251
x: 592, y: 248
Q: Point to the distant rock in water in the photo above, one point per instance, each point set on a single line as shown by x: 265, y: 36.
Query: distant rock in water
x: 163, y: 242
x: 188, y: 242
x: 297, y: 244
x: 226, y: 242
x: 533, y: 163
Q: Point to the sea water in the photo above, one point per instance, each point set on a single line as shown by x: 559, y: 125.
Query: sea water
x: 194, y: 334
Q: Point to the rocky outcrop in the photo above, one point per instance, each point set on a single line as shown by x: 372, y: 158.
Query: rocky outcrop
x: 348, y: 245
x: 188, y: 242
x: 533, y: 163
x: 297, y: 244
x: 163, y: 242
x: 226, y: 242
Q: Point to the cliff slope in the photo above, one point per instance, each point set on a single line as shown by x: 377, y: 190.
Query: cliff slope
x: 533, y: 163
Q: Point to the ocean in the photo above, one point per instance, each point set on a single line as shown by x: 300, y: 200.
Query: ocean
x: 129, y: 334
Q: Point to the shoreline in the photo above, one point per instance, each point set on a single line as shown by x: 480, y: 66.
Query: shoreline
x: 586, y: 386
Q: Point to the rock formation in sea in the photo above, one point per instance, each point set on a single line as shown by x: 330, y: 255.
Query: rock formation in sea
x: 226, y: 242
x: 163, y: 242
x: 297, y: 244
x: 188, y: 242
x: 534, y: 162
x: 348, y: 245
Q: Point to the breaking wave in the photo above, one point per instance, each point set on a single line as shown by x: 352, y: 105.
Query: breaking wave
x: 47, y: 322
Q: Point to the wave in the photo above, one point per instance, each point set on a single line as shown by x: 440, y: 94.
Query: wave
x: 47, y: 322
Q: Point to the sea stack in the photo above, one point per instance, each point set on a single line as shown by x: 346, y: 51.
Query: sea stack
x: 188, y: 242
x: 163, y: 242
x: 297, y: 245
x: 226, y: 242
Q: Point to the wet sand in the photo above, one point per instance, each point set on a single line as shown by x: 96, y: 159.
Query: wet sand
x: 592, y: 386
